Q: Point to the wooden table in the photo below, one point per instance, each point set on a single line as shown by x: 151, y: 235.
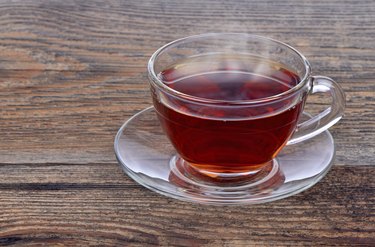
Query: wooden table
x: 73, y: 71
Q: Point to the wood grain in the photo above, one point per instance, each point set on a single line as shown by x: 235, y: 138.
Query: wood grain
x: 73, y: 71
x: 97, y: 204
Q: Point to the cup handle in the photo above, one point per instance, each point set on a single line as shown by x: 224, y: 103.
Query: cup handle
x: 326, y: 118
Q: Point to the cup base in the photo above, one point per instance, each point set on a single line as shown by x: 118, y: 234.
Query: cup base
x: 148, y: 157
x: 189, y: 173
x: 184, y: 175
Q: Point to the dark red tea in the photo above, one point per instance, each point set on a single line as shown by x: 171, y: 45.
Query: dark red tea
x: 209, y: 137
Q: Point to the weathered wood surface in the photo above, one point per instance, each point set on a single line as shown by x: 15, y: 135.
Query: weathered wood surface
x: 73, y: 71
x: 95, y: 204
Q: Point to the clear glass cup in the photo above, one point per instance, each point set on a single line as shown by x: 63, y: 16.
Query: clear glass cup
x: 228, y: 137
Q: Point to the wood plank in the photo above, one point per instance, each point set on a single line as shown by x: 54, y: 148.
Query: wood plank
x: 97, y: 204
x: 73, y: 72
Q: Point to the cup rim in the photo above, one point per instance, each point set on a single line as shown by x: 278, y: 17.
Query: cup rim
x: 154, y: 78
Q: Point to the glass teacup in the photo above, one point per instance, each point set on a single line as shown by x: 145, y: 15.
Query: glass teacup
x: 230, y: 102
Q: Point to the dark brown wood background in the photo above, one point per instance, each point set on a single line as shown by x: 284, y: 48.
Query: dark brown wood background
x: 71, y: 72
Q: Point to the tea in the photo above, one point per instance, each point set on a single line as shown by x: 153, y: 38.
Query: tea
x: 227, y: 139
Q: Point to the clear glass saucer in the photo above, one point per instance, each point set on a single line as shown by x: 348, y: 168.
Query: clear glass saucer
x: 147, y: 156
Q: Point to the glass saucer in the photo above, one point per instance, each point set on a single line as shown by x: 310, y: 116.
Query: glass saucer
x: 147, y: 156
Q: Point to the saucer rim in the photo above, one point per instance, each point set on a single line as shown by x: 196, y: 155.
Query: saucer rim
x: 210, y: 201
